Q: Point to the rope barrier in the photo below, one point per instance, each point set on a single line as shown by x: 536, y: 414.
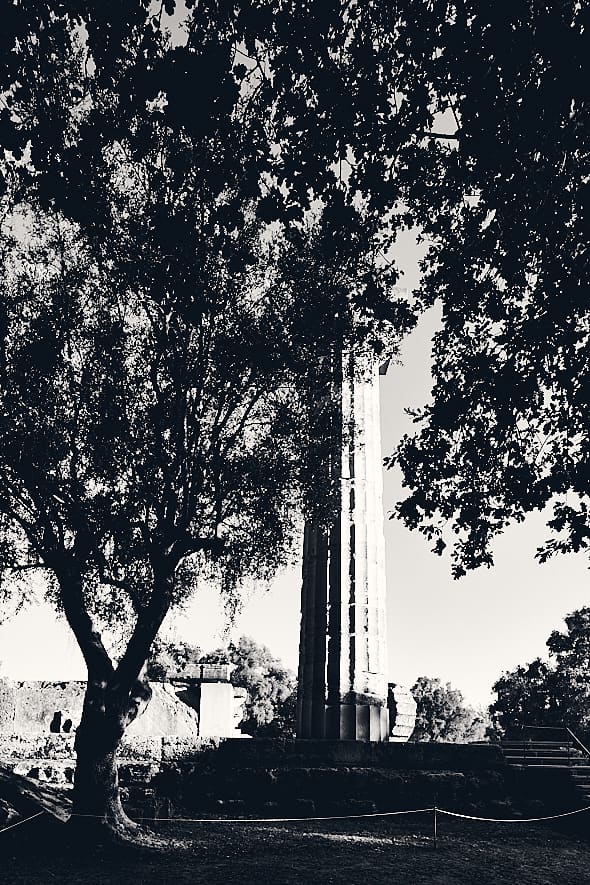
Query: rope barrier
x: 375, y: 814
x: 267, y: 820
x: 19, y: 822
x: 513, y: 820
x: 284, y: 820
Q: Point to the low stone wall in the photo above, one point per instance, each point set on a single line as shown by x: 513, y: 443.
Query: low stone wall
x: 278, y: 753
x: 164, y: 776
x: 229, y: 765
x: 167, y: 776
x: 52, y: 757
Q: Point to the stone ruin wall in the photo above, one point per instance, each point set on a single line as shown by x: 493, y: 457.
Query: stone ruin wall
x: 42, y: 708
x: 38, y: 721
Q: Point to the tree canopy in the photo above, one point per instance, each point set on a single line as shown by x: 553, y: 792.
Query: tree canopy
x: 506, y: 431
x: 271, y: 704
x: 555, y: 692
x: 190, y: 228
x: 443, y: 716
x: 171, y: 657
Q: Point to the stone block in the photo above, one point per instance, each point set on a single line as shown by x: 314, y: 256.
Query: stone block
x: 38, y: 707
x: 285, y: 753
x: 58, y: 772
x: 271, y: 809
x: 346, y: 807
x: 165, y: 715
x: 187, y: 749
x: 216, y: 672
x: 36, y: 746
x: 300, y: 808
x: 133, y: 773
x: 230, y: 807
x: 148, y: 749
x: 42, y: 707
x: 402, y: 712
x: 216, y: 710
x: 260, y: 784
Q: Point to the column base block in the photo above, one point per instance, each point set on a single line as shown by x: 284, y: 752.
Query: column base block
x: 357, y: 722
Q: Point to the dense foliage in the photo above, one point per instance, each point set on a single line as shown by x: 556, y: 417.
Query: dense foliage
x: 443, y: 716
x: 195, y: 224
x: 507, y: 430
x: 172, y: 658
x: 272, y: 688
x: 554, y: 692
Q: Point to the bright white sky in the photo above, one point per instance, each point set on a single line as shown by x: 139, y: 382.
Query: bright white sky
x: 465, y: 632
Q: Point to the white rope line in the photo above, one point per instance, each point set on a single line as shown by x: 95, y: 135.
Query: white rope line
x: 513, y: 820
x: 19, y: 822
x: 285, y: 820
x: 375, y: 814
x: 266, y: 820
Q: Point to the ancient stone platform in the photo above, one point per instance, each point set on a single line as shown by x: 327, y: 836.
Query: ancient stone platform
x: 276, y: 752
x: 322, y: 777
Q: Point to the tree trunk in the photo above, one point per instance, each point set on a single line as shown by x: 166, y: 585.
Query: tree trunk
x: 96, y: 799
x: 113, y: 699
x: 96, y: 791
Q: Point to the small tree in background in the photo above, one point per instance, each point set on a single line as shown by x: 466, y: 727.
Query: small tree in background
x: 554, y: 692
x: 526, y: 696
x: 443, y: 716
x: 168, y: 658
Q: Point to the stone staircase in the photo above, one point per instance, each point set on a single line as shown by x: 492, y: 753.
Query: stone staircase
x: 551, y: 748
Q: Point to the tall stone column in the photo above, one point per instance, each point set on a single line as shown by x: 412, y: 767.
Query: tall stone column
x: 342, y: 652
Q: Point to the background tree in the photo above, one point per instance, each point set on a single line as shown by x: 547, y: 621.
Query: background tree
x: 272, y: 688
x: 443, y: 716
x: 550, y: 693
x: 168, y: 658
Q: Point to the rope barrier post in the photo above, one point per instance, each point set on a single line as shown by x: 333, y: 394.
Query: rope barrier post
x: 434, y: 834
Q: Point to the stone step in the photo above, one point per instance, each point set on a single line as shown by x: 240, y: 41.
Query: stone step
x: 27, y: 797
x: 529, y: 764
x: 539, y: 760
x: 543, y: 751
x: 511, y: 743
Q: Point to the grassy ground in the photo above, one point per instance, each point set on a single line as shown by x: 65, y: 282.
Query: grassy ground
x: 395, y: 851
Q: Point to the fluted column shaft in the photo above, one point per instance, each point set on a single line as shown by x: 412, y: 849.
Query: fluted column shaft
x: 342, y: 666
